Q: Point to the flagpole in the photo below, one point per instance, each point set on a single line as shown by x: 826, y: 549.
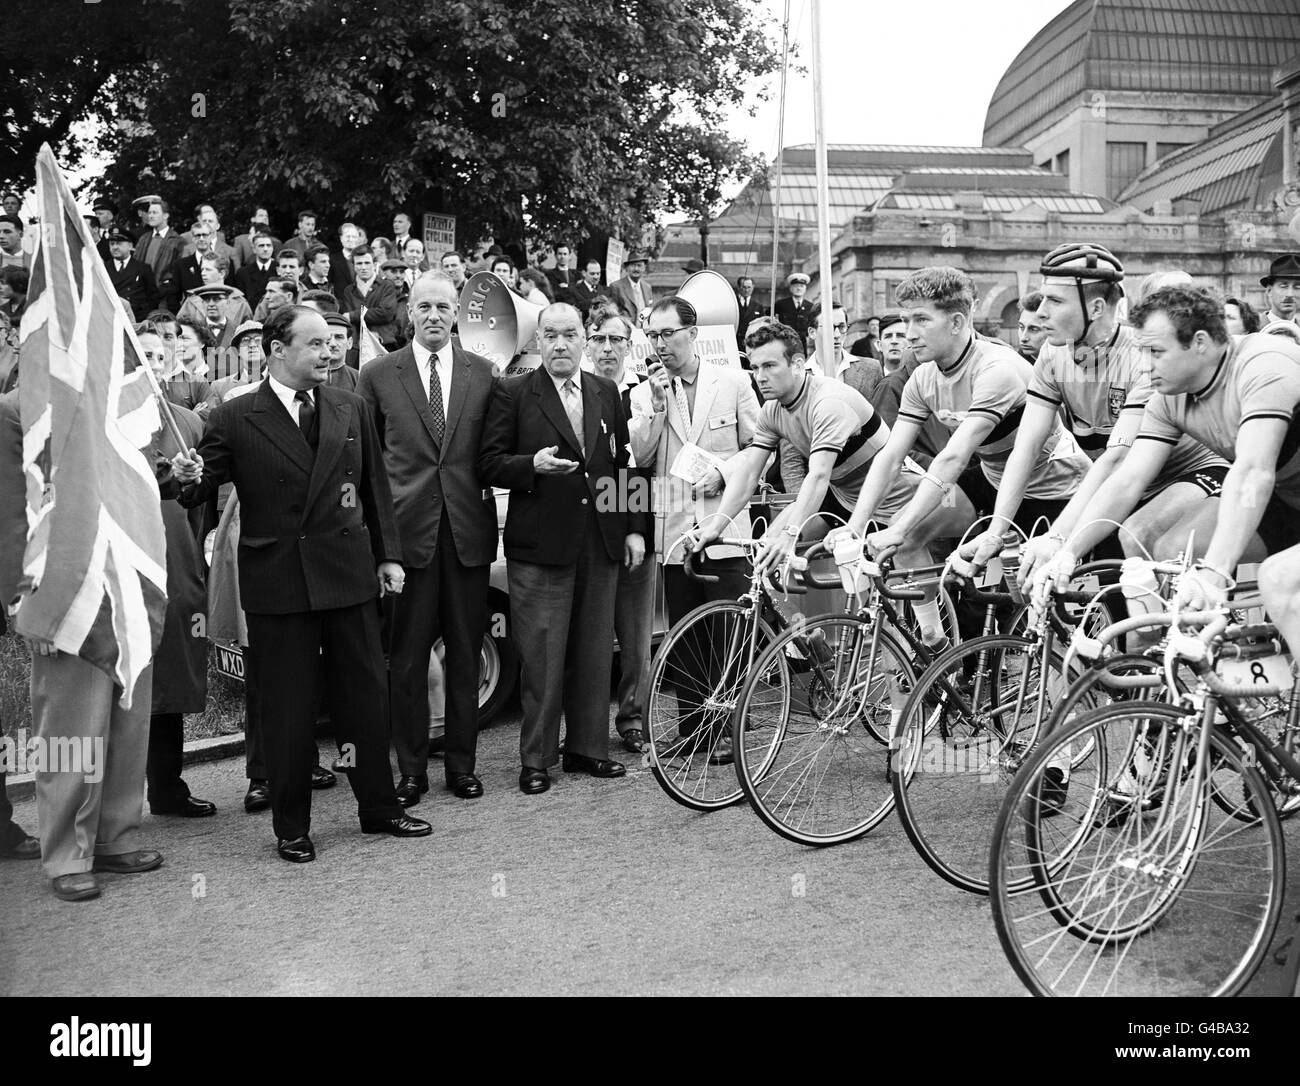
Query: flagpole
x: 164, y: 404
x: 825, y: 296
x: 780, y: 150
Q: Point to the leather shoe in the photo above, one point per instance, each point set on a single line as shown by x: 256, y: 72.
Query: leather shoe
x: 130, y: 863
x: 401, y: 826
x: 323, y: 778
x: 25, y: 847
x: 533, y: 782
x: 634, y: 740
x: 464, y: 785
x: 189, y: 807
x: 79, y: 886
x: 258, y: 796
x: 411, y: 787
x: 594, y: 767
x: 298, y: 851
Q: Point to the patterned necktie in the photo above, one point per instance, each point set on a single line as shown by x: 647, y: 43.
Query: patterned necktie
x: 435, y: 399
x: 683, y: 405
x: 306, y: 416
x: 573, y: 408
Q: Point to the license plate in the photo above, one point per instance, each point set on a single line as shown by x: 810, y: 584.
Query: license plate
x: 230, y: 662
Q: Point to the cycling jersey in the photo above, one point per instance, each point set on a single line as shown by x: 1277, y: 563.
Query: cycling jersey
x: 1095, y: 393
x: 1258, y: 378
x: 990, y: 380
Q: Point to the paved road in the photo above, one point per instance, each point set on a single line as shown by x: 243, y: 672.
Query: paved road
x: 596, y: 888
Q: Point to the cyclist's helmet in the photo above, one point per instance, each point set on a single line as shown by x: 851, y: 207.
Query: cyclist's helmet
x: 1083, y: 262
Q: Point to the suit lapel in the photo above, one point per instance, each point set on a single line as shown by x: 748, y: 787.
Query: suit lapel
x: 273, y: 420
x: 553, y: 409
x: 460, y: 379
x: 706, y: 388
x: 408, y: 373
x: 334, y: 415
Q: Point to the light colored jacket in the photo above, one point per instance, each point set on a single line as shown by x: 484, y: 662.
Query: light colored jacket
x: 723, y: 422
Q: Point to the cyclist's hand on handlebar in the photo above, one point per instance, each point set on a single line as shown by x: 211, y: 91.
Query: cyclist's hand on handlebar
x: 1199, y: 590
x: 883, y: 544
x: 699, y: 538
x: 1036, y: 553
x: 774, y: 551
x: 973, y: 555
x: 837, y: 535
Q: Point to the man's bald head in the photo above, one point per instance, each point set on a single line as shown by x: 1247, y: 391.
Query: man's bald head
x: 556, y: 309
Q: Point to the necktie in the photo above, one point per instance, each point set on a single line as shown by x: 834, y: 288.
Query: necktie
x: 306, y: 416
x: 435, y: 400
x: 573, y: 408
x: 683, y: 405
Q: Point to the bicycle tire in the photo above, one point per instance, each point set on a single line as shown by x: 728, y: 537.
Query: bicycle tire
x: 818, y: 775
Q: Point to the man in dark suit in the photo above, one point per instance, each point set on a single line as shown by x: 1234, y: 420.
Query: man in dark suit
x: 750, y: 310
x: 583, y: 293
x: 251, y: 279
x: 131, y: 278
x: 244, y: 244
x: 429, y: 401
x: 377, y: 296
x: 609, y: 349
x: 318, y: 544
x: 160, y: 247
x: 557, y: 437
x: 563, y: 278
x: 793, y: 311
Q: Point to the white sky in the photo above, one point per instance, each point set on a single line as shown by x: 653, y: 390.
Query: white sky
x: 897, y: 71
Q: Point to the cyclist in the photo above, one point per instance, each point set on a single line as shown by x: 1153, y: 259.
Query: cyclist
x: 1238, y: 398
x: 1090, y: 369
x: 976, y: 388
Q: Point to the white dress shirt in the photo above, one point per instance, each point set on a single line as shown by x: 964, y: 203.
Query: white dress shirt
x: 286, y: 395
x: 422, y: 357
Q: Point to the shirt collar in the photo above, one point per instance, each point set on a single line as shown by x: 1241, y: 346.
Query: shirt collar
x: 962, y: 358
x: 1219, y: 370
x: 285, y: 394
x: 813, y: 365
x: 809, y: 377
x: 423, y: 354
x: 575, y: 377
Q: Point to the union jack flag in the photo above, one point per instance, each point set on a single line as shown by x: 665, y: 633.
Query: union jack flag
x: 368, y: 346
x: 95, y: 566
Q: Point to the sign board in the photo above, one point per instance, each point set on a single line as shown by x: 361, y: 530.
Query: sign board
x: 230, y: 661
x: 716, y: 343
x: 615, y: 254
x: 439, y: 235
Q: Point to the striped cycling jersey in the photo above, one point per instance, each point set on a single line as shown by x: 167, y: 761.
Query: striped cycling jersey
x: 1094, y: 394
x: 828, y: 416
x: 1257, y: 378
x: 990, y: 380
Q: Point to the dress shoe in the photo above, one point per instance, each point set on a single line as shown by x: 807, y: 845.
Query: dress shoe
x: 80, y: 886
x: 298, y: 851
x: 594, y: 767
x: 189, y: 807
x: 634, y: 740
x: 258, y: 796
x: 464, y: 785
x: 401, y: 826
x: 323, y: 778
x: 25, y: 847
x: 130, y: 863
x: 411, y: 787
x: 533, y: 782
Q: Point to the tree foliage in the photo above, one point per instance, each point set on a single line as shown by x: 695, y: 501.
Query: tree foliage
x: 519, y: 116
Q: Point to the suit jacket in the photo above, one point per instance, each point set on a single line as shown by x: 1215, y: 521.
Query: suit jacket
x: 749, y: 311
x: 723, y: 422
x: 547, y: 519
x: 252, y: 281
x: 381, y: 308
x: 136, y: 283
x: 621, y: 291
x: 314, y: 526
x: 242, y: 251
x: 187, y: 274
x: 164, y: 262
x: 431, y: 479
x: 796, y: 316
x: 562, y: 282
x: 341, y: 273
x: 583, y: 297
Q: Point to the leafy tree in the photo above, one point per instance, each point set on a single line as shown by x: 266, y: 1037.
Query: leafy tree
x: 522, y: 117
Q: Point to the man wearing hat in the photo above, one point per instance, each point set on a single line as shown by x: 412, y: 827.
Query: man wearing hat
x: 750, y: 309
x: 246, y: 341
x: 340, y: 342
x: 793, y: 311
x: 224, y: 308
x: 160, y: 247
x: 105, y: 212
x: 1282, y: 284
x: 132, y: 279
x: 394, y: 271
x: 695, y: 264
x: 633, y: 293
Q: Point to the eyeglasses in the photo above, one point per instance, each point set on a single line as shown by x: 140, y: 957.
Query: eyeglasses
x: 652, y: 335
x: 600, y: 341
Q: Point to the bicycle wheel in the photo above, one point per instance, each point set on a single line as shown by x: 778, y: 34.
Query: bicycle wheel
x: 1146, y: 891
x: 817, y: 770
x: 966, y: 729
x: 695, y: 682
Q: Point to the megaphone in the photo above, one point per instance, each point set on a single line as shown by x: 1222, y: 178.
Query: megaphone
x: 494, y: 321
x: 711, y: 295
